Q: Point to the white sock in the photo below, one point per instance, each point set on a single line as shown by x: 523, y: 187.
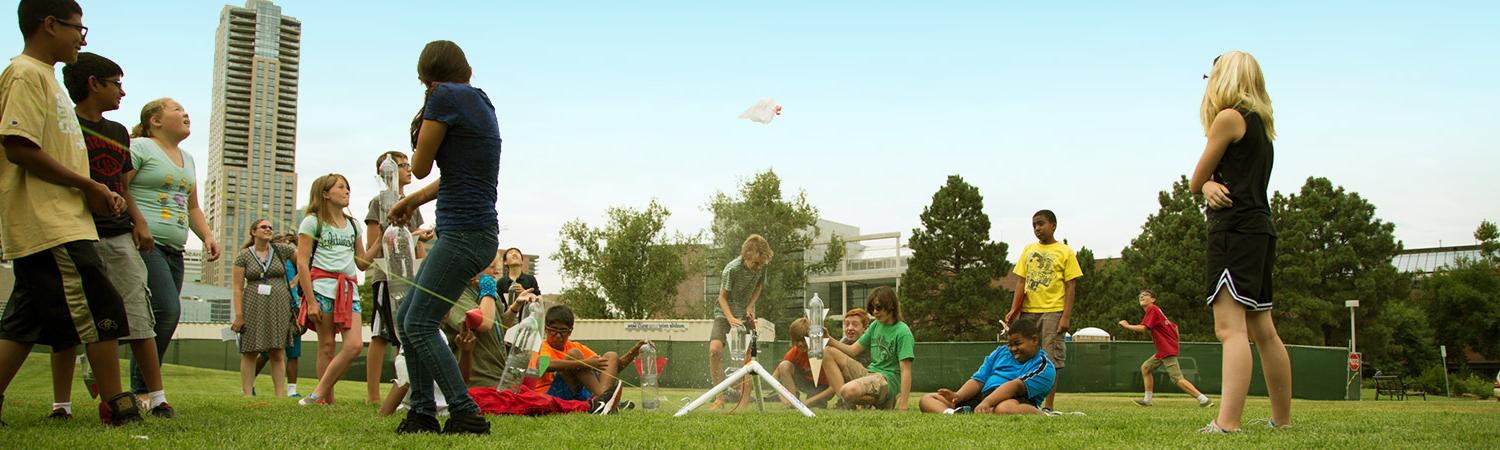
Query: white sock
x: 157, y: 398
x: 948, y: 411
x: 66, y: 406
x: 1148, y: 396
x: 1202, y: 398
x: 291, y: 389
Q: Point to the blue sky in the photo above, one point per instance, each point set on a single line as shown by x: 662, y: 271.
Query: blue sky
x: 1088, y: 108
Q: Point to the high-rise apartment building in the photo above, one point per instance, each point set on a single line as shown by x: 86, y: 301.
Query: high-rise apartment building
x: 252, y: 138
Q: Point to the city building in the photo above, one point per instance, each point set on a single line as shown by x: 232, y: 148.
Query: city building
x: 253, y: 129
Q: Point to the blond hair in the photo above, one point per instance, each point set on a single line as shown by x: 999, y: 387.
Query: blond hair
x: 756, y: 249
x: 150, y: 111
x: 797, y: 332
x: 315, y: 201
x: 1236, y: 83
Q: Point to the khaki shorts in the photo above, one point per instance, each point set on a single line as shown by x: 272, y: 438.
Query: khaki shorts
x: 1170, y: 362
x: 870, y: 384
x: 1052, y: 340
x: 127, y: 273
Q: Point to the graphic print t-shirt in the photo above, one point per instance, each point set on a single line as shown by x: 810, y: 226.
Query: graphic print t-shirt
x: 1046, y: 268
x: 109, y: 161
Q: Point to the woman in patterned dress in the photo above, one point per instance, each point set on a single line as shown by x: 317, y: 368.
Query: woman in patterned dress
x: 261, y: 297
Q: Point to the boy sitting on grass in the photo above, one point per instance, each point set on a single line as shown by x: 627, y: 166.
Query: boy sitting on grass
x: 795, y: 370
x: 576, y: 372
x: 1014, y: 379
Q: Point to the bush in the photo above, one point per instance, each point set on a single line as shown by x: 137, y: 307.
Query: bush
x: 1431, y: 381
x: 1474, y: 385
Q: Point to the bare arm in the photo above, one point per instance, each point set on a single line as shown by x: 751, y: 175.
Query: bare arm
x: 199, y: 224
x: 237, y: 284
x: 1013, y: 389
x: 849, y: 349
x: 1228, y: 127
x: 373, y: 234
x: 30, y: 157
x: 1067, y: 315
x: 967, y: 391
x: 724, y: 306
x: 304, y: 275
x: 140, y: 230
x: 1128, y: 326
x: 1015, y: 304
x: 429, y: 138
x: 905, y: 395
x: 753, y: 297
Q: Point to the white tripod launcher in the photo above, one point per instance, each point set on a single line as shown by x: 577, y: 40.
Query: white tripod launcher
x: 751, y: 366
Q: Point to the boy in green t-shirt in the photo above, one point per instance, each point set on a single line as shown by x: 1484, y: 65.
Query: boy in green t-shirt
x: 887, y: 382
x: 1050, y: 270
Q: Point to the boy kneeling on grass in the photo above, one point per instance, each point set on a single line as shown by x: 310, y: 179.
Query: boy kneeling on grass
x: 1014, y: 379
x: 795, y: 370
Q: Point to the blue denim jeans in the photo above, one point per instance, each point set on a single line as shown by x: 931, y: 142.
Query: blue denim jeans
x: 164, y: 278
x: 455, y: 258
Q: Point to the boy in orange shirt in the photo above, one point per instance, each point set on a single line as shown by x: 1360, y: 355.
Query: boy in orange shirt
x: 576, y: 372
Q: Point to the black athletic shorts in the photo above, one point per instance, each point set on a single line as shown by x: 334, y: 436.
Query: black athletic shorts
x: 62, y: 298
x: 1241, y: 263
x: 974, y: 402
x: 384, y: 323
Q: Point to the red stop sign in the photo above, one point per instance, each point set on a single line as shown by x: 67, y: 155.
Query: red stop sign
x: 1353, y: 362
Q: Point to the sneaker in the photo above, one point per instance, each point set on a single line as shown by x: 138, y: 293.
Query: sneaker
x: 1049, y: 412
x: 1142, y: 402
x: 607, y: 402
x: 119, y: 410
x: 1213, y: 428
x: 964, y: 410
x: 626, y: 405
x: 1206, y: 403
x: 163, y: 411
x: 466, y: 423
x: 418, y: 423
x: 312, y: 399
x: 295, y: 395
x: 1270, y: 424
x: 60, y: 414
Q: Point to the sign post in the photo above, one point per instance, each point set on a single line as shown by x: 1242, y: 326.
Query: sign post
x: 1354, y: 380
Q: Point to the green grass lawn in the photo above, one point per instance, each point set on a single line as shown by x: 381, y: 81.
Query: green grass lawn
x: 211, y: 414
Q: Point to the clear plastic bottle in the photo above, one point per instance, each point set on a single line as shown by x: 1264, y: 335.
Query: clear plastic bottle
x: 650, y: 393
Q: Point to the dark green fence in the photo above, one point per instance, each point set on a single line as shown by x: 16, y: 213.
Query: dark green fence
x: 1318, y: 373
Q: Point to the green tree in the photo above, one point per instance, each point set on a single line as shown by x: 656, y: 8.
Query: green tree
x: 789, y: 225
x: 1489, y: 241
x: 1105, y: 295
x: 1331, y: 247
x: 628, y: 269
x: 1168, y: 257
x: 950, y: 288
x: 1465, y: 300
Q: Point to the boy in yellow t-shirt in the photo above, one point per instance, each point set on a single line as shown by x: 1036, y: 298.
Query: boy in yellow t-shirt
x: 62, y: 297
x: 1050, y: 270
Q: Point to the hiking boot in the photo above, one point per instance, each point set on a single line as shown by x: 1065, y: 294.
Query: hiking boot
x: 606, y: 403
x: 120, y: 410
x: 418, y: 423
x: 466, y: 422
x: 60, y: 414
x: 163, y: 411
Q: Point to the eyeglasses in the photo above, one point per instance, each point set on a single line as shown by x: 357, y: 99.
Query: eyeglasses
x: 404, y: 165
x: 82, y: 30
x: 559, y: 331
x: 265, y: 227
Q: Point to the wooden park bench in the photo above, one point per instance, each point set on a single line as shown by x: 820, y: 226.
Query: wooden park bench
x: 1394, y: 387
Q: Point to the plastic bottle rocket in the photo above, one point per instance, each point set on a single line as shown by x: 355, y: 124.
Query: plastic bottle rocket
x: 398, y: 245
x: 650, y: 393
x: 524, y: 364
x: 816, y: 313
x: 534, y: 364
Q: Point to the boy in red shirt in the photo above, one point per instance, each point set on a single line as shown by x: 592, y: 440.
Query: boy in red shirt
x: 1164, y: 335
x: 795, y: 370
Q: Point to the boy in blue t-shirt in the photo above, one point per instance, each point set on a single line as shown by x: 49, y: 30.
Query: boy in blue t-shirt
x: 1014, y: 379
